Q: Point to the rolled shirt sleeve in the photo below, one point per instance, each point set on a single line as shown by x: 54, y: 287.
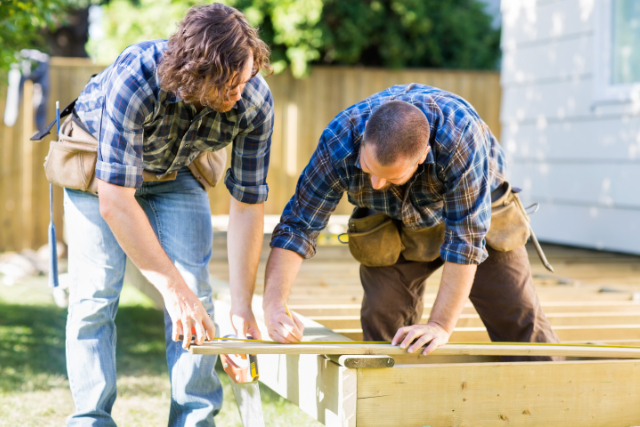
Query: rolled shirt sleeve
x: 318, y: 192
x: 128, y: 101
x: 246, y: 180
x: 467, y: 198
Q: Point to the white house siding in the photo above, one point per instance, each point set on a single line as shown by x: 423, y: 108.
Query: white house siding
x: 580, y: 159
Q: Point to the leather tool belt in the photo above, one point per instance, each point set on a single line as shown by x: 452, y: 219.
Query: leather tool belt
x: 377, y: 240
x: 71, y: 161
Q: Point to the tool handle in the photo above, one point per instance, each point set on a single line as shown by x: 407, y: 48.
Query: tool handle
x: 53, y: 249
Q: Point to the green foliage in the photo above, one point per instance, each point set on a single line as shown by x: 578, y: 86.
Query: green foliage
x: 409, y: 33
x: 383, y: 33
x: 21, y: 22
x: 126, y: 23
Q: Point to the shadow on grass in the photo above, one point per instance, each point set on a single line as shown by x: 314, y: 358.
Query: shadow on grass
x: 32, y: 345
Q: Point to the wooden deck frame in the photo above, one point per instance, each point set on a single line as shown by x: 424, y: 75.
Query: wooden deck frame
x: 461, y: 390
x: 453, y: 390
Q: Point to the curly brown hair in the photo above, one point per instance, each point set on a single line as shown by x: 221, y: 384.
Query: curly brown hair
x: 206, y: 56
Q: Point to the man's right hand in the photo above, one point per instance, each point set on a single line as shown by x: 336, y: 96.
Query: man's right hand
x: 281, y: 327
x: 186, y: 311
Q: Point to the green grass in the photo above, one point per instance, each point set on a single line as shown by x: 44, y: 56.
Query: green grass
x: 34, y: 390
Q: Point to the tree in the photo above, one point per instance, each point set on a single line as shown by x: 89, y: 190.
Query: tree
x: 22, y: 22
x: 382, y: 33
x: 409, y: 33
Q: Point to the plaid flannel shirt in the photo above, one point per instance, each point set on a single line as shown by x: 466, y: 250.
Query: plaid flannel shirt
x: 454, y: 184
x: 142, y: 127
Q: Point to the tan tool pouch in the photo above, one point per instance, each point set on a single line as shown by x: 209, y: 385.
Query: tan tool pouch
x: 373, y: 238
x: 208, y: 168
x: 375, y: 241
x: 509, y: 221
x: 422, y: 245
x: 71, y: 161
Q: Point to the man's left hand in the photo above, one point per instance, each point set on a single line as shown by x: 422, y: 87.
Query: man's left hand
x: 431, y: 333
x: 244, y: 323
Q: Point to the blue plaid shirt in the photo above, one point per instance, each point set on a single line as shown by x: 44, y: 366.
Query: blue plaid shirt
x: 453, y: 185
x: 145, y: 128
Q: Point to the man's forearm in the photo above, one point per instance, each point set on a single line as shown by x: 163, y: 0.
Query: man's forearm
x: 282, y: 269
x: 455, y: 287
x: 244, y: 244
x: 136, y: 237
x: 131, y: 227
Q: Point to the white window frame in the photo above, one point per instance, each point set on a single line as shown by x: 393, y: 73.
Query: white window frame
x: 604, y: 90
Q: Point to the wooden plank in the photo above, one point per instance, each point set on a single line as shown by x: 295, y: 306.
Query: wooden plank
x: 473, y: 320
x: 489, y: 349
x: 565, y: 333
x: 594, y: 393
x: 549, y: 307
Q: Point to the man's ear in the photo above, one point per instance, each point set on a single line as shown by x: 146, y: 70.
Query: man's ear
x: 424, y: 155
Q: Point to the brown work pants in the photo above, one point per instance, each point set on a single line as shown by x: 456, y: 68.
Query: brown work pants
x: 502, y: 293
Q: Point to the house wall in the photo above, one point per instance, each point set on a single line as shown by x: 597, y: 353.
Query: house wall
x: 578, y: 157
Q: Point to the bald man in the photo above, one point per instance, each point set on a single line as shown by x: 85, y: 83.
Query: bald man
x: 427, y: 178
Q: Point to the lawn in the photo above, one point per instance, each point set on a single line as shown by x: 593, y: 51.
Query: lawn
x: 34, y: 390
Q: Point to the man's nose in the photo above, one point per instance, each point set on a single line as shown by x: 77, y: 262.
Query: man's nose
x: 238, y: 95
x: 377, y: 183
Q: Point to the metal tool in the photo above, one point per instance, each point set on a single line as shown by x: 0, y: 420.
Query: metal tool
x: 243, y: 371
x: 532, y: 235
x: 53, y: 255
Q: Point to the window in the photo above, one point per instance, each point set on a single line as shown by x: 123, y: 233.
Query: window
x: 617, y: 51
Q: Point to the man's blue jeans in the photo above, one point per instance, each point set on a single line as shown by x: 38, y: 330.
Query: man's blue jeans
x: 181, y: 218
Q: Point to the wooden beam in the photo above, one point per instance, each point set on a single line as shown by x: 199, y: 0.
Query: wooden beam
x: 473, y: 320
x: 594, y: 393
x: 565, y: 333
x: 490, y: 349
x: 353, y: 309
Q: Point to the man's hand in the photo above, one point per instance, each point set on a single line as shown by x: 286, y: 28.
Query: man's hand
x: 455, y: 286
x: 186, y: 312
x: 281, y: 327
x: 244, y: 323
x: 431, y: 333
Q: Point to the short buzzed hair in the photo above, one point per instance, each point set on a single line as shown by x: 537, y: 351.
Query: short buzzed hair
x: 397, y: 129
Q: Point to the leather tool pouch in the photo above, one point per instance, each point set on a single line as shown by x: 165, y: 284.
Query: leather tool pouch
x: 373, y: 238
x: 71, y: 161
x: 422, y: 245
x: 509, y: 222
x: 208, y: 168
x: 376, y: 241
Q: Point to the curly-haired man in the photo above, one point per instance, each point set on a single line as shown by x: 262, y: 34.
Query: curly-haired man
x: 158, y: 109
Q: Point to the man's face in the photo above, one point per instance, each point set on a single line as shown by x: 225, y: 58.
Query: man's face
x: 383, y: 177
x: 235, y: 94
